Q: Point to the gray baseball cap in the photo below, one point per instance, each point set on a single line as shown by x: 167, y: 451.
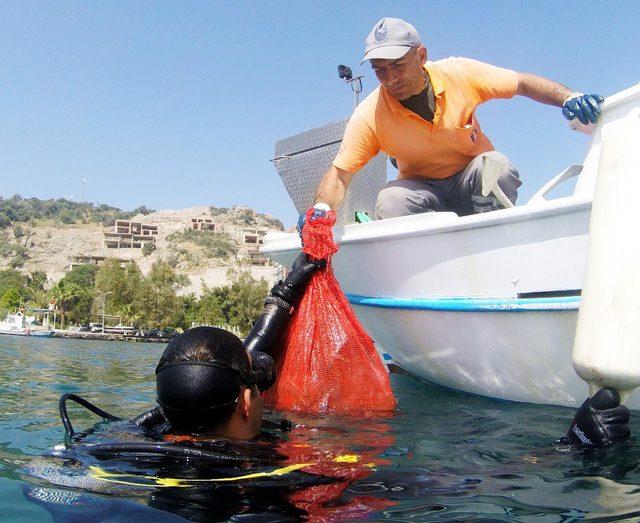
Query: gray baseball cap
x: 390, y: 39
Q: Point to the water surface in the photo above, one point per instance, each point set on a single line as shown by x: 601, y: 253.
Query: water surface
x: 444, y: 456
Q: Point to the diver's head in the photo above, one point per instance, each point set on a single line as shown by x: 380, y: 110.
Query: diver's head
x: 205, y: 384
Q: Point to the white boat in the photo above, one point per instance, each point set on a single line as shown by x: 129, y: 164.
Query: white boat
x: 120, y: 329
x: 17, y: 325
x: 488, y: 303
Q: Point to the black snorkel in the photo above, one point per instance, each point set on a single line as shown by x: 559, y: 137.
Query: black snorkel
x: 62, y: 407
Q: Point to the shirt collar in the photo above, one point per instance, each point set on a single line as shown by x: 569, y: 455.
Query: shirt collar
x: 437, y: 84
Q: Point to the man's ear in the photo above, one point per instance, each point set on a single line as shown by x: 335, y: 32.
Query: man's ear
x: 245, y: 403
x: 422, y: 54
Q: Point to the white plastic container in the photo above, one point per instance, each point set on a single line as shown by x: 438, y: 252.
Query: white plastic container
x: 607, y: 344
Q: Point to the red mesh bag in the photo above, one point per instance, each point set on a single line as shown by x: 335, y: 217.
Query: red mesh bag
x: 326, y: 502
x: 328, y: 362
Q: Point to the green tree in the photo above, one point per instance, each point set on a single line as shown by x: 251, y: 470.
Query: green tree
x: 157, y: 301
x: 37, y: 280
x: 11, y: 300
x: 119, y: 287
x: 67, y: 296
x: 142, y: 210
x: 244, y: 300
x: 189, y: 304
x: 74, y: 293
x: 82, y: 275
x: 210, y: 307
x: 82, y: 307
x: 12, y: 279
x: 37, y: 298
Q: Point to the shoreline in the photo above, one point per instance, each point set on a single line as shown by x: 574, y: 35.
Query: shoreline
x: 110, y: 337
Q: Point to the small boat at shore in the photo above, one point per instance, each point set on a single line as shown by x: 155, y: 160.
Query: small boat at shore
x: 17, y: 325
x: 125, y: 330
x: 486, y: 304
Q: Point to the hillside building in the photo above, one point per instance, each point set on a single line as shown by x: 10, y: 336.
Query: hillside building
x: 89, y: 259
x: 200, y: 223
x: 249, y: 241
x: 129, y: 235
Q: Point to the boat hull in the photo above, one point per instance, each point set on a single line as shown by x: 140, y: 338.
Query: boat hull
x: 485, y: 304
x: 513, y: 355
x: 39, y: 334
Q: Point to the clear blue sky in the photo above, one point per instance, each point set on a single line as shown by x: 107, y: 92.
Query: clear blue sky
x: 176, y: 104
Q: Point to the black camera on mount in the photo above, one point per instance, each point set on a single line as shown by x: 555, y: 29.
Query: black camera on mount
x: 345, y: 72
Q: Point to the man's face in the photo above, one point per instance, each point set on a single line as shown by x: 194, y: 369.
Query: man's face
x: 403, y: 77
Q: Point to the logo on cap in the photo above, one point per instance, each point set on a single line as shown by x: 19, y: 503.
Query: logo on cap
x: 381, y: 33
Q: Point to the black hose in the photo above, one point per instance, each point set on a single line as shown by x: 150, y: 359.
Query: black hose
x: 163, y: 449
x: 62, y: 406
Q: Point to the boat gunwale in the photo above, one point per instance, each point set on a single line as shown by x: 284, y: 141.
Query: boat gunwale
x: 365, y: 233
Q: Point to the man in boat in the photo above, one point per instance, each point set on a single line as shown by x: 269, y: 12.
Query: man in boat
x: 208, y: 382
x: 423, y: 116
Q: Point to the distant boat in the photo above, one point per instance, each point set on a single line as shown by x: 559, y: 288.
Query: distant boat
x: 16, y: 325
x: 120, y: 329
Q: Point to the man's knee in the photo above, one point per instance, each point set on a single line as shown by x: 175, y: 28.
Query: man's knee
x: 508, y: 170
x: 394, y: 201
x: 508, y: 181
x: 391, y: 203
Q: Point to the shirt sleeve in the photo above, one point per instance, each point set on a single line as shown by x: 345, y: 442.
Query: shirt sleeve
x: 488, y: 80
x: 358, y: 146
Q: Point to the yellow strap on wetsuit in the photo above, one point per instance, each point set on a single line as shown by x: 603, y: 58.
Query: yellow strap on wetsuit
x: 154, y: 481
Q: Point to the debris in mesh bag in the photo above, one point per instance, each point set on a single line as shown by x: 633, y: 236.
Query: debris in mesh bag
x: 328, y: 363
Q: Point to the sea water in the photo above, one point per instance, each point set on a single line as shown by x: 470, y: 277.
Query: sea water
x: 443, y: 456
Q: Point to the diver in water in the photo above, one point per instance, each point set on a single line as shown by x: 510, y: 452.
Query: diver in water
x: 201, y: 434
x: 209, y: 383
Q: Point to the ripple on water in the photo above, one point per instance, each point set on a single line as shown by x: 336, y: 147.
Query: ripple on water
x: 443, y: 457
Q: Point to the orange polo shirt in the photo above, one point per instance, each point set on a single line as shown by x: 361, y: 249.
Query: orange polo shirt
x: 423, y: 149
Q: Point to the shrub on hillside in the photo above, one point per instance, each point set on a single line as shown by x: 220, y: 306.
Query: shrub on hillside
x: 213, y: 245
x: 19, y: 210
x: 148, y: 248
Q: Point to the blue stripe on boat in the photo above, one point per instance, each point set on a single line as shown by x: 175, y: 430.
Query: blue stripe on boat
x: 558, y: 303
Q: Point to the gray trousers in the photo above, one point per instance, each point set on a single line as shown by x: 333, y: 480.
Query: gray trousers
x: 460, y: 193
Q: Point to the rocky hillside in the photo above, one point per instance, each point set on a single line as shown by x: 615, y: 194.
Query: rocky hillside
x: 50, y: 244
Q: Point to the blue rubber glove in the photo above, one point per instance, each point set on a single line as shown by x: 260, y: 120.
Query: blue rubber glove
x: 584, y: 107
x: 320, y: 210
x: 600, y: 421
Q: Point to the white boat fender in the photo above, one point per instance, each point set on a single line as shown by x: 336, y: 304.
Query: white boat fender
x: 606, y: 351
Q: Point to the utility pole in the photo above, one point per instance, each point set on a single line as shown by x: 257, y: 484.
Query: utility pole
x: 84, y: 181
x: 104, y: 305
